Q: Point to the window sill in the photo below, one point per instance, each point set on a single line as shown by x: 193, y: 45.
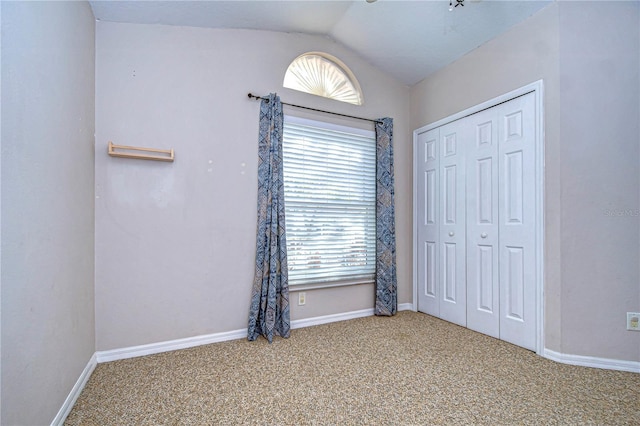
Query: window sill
x: 331, y: 284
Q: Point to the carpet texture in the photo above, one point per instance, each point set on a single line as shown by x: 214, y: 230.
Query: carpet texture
x: 410, y: 369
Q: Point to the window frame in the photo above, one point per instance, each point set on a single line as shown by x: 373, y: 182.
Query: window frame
x: 369, y: 133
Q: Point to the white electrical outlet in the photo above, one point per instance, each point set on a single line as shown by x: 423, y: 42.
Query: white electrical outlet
x: 633, y: 321
x: 302, y: 298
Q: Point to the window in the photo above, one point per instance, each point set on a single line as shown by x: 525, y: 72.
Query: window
x: 323, y: 75
x: 330, y: 201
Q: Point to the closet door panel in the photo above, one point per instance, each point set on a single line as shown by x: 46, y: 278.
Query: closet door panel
x: 428, y: 216
x: 517, y: 221
x: 452, y: 229
x: 483, y: 291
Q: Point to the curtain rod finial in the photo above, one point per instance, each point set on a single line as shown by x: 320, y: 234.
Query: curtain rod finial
x: 252, y: 96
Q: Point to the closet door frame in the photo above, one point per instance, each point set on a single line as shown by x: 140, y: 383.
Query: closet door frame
x: 538, y: 89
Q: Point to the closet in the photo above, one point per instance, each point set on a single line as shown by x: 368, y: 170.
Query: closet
x: 476, y: 218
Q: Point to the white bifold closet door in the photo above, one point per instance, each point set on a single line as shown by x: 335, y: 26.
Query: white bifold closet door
x: 442, y: 230
x: 501, y: 222
x: 451, y: 283
x: 428, y: 227
x: 476, y: 223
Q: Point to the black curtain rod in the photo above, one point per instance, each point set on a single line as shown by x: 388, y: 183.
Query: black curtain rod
x: 252, y: 96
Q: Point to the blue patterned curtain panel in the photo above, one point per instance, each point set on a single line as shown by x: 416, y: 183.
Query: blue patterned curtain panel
x: 269, y: 310
x: 386, y: 280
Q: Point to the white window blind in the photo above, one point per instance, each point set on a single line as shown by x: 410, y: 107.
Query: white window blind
x: 330, y: 200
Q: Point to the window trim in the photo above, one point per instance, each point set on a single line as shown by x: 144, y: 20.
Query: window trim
x: 331, y: 284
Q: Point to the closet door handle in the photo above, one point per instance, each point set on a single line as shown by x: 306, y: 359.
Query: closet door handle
x: 483, y: 235
x: 451, y: 233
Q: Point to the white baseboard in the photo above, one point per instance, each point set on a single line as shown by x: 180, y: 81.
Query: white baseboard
x: 189, y: 342
x: 325, y: 319
x: 594, y: 362
x: 170, y: 345
x: 75, y: 392
x: 405, y: 307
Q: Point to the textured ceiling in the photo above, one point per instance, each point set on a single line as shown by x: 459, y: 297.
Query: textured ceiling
x: 407, y: 39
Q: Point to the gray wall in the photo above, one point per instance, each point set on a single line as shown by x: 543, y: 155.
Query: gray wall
x: 600, y: 177
x: 587, y: 54
x: 175, y: 242
x: 48, y: 330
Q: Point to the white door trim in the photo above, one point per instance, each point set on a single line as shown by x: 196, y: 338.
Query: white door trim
x: 537, y: 88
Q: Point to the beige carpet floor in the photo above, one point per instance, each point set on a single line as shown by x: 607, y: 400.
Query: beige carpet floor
x: 411, y: 369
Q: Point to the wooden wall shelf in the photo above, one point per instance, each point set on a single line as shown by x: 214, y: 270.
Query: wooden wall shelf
x: 124, y: 151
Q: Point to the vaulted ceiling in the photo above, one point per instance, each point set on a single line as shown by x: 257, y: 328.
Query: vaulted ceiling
x: 407, y: 39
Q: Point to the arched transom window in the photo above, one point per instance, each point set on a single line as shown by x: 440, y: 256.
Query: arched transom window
x: 323, y: 75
